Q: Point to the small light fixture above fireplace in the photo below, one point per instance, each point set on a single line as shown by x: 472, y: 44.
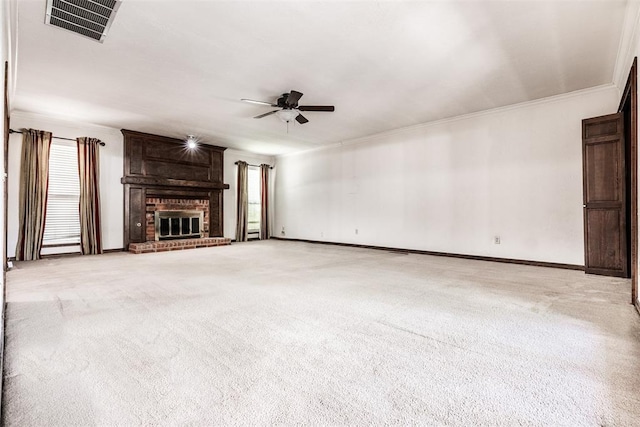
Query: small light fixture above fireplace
x: 192, y: 142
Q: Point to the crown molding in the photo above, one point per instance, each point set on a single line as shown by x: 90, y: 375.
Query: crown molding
x: 11, y: 32
x: 15, y: 15
x: 492, y: 111
x: 628, y: 44
x: 17, y: 115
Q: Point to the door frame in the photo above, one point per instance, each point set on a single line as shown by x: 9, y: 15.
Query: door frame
x: 630, y: 93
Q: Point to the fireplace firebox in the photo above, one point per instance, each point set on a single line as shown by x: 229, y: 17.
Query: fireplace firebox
x: 178, y: 224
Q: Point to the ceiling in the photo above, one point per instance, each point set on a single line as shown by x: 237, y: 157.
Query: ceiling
x: 181, y: 67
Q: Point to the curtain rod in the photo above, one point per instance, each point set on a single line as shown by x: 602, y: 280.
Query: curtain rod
x: 255, y: 166
x: 54, y: 137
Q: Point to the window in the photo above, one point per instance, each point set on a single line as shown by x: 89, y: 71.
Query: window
x: 62, y: 221
x: 253, y: 185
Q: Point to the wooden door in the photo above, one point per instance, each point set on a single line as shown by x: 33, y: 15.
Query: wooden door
x: 603, y: 169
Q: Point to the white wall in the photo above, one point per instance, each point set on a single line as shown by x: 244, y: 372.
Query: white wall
x: 452, y: 186
x: 4, y: 53
x: 6, y: 30
x: 230, y: 177
x: 111, y: 167
x: 636, y: 52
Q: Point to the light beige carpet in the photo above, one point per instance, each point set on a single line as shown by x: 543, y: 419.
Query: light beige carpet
x: 291, y: 333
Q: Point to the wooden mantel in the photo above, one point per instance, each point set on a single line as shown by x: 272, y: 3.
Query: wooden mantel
x: 159, y: 166
x: 167, y: 182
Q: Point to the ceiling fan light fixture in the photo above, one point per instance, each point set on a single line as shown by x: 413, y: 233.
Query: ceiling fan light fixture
x: 287, y: 115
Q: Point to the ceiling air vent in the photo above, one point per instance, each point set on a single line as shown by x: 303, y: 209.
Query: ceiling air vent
x: 90, y: 18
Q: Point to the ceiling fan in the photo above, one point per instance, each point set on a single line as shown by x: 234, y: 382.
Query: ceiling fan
x: 289, y: 108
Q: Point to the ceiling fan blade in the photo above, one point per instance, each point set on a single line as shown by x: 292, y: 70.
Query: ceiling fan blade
x: 301, y: 119
x: 266, y: 114
x: 293, y: 98
x: 258, y: 102
x: 316, y: 108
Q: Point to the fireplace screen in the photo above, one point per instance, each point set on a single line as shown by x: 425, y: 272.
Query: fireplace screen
x: 178, y: 224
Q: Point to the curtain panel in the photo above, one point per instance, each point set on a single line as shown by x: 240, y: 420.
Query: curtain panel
x: 242, y: 211
x: 265, y: 226
x: 34, y: 183
x: 89, y: 206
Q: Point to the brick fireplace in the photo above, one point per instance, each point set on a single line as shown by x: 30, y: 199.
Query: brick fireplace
x: 174, y: 204
x: 160, y: 174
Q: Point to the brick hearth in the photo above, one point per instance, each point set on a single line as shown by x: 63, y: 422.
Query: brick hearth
x: 177, y: 245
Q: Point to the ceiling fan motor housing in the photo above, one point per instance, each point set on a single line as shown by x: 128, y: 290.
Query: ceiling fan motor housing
x: 282, y: 101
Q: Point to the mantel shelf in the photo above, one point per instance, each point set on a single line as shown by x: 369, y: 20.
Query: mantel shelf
x: 168, y: 182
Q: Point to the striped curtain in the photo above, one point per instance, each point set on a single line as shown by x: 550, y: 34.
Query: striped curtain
x: 242, y: 211
x: 88, y: 168
x: 34, y: 183
x: 265, y: 228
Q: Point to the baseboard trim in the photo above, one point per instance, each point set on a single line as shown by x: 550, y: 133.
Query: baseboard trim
x: 68, y: 254
x: 446, y: 254
x: 109, y: 251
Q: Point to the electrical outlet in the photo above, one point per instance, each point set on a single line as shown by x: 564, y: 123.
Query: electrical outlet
x: 322, y: 234
x: 496, y: 240
x: 356, y: 231
x: 282, y: 232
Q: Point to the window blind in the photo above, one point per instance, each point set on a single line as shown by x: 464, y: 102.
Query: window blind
x: 253, y: 189
x: 62, y: 223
